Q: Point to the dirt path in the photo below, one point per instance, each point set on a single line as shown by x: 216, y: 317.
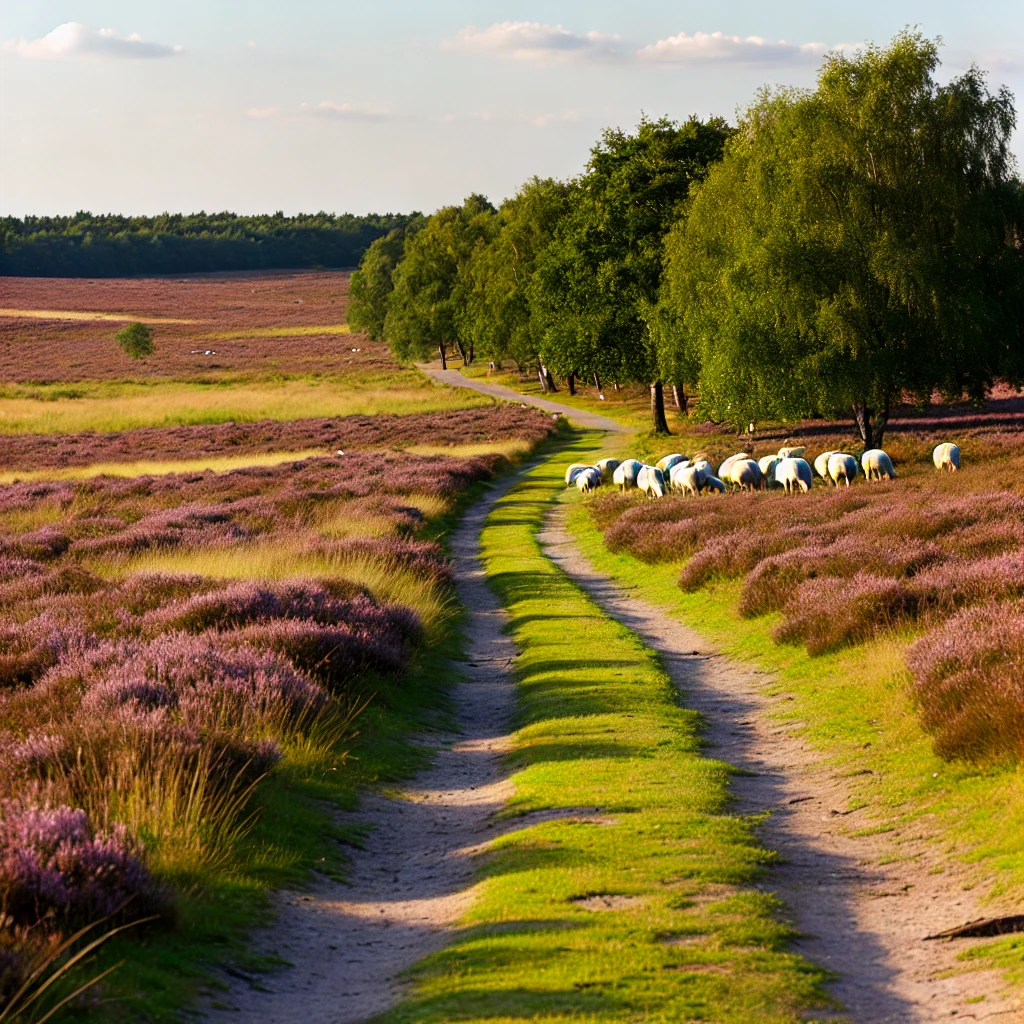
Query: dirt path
x: 414, y: 879
x: 859, y: 916
x: 577, y: 416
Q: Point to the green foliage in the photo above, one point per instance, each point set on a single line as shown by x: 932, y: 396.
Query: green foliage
x: 92, y: 245
x: 858, y: 243
x: 136, y: 340
x: 429, y: 306
x: 371, y: 284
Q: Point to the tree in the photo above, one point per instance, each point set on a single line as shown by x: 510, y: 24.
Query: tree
x: 597, y: 280
x: 371, y: 284
x: 136, y: 340
x: 428, y: 308
x: 858, y: 243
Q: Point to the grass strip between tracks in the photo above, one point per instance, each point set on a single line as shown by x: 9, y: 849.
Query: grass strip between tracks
x: 636, y: 897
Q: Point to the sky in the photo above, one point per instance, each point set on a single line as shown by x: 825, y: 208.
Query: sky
x: 389, y: 106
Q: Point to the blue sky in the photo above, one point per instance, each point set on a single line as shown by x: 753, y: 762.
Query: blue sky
x: 259, y: 106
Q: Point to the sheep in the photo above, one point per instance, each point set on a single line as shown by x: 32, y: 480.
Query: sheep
x: 946, y: 457
x: 792, y: 453
x: 588, y: 479
x: 794, y: 474
x: 668, y: 461
x: 687, y: 479
x: 876, y: 465
x: 767, y: 466
x: 572, y: 472
x: 651, y: 481
x: 703, y: 468
x: 842, y: 467
x: 607, y: 468
x: 712, y: 483
x: 723, y: 469
x: 821, y: 466
x: 625, y: 474
x: 745, y: 474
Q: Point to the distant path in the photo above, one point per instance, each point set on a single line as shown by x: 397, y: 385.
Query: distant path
x: 856, y: 917
x: 579, y: 416
x: 415, y: 876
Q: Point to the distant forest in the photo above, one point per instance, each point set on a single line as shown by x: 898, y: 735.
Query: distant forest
x: 108, y: 245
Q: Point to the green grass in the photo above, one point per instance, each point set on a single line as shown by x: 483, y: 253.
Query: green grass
x: 856, y: 707
x: 600, y: 726
x: 276, y: 332
x: 109, y: 406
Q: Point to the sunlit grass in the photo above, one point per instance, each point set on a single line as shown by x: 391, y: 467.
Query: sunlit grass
x: 217, y: 463
x: 514, y: 451
x: 70, y: 314
x: 117, y: 406
x: 303, y: 331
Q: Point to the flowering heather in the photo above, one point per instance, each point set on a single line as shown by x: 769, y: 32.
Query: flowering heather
x: 348, y: 433
x: 54, y: 865
x: 969, y: 683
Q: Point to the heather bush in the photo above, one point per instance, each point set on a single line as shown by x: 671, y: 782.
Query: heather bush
x: 28, y: 649
x: 969, y: 683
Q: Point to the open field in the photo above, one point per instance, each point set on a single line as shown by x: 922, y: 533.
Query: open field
x: 179, y: 651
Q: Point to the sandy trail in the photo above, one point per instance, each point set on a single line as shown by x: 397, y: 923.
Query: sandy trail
x: 859, y: 916
x: 414, y: 878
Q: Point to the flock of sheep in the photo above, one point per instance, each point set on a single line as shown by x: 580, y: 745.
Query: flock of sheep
x: 787, y: 470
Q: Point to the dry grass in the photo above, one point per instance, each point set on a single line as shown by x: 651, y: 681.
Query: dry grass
x: 277, y: 332
x: 70, y: 314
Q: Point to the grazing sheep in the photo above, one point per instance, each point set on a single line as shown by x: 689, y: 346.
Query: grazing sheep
x: 792, y: 453
x: 946, y: 456
x: 794, y: 475
x: 821, y: 466
x: 703, y: 468
x: 712, y: 483
x: 687, y: 479
x: 607, y: 468
x: 876, y: 465
x: 745, y: 474
x: 625, y: 474
x: 588, y: 479
x: 573, y: 471
x: 726, y: 466
x: 842, y: 467
x: 666, y: 463
x: 767, y: 466
x: 651, y: 481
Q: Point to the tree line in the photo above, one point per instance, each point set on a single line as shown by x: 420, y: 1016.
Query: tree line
x: 110, y: 245
x: 837, y: 251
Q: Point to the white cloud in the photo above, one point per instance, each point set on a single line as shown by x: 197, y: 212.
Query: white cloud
x: 325, y: 110
x: 72, y: 40
x: 716, y: 47
x: 537, y: 42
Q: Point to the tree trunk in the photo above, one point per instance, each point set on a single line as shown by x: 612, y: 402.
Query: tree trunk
x: 679, y: 397
x: 543, y: 382
x: 471, y: 351
x: 570, y: 382
x: 871, y: 423
x: 551, y: 380
x: 597, y: 384
x: 615, y: 385
x: 444, y: 359
x: 658, y: 408
x: 462, y: 351
x: 519, y: 368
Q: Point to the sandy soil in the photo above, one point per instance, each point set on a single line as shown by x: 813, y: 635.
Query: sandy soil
x: 415, y: 877
x: 859, y: 913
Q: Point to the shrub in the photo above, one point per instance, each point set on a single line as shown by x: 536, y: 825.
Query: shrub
x: 136, y: 340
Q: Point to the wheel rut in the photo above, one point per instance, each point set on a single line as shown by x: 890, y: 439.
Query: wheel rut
x: 861, y: 904
x: 348, y: 944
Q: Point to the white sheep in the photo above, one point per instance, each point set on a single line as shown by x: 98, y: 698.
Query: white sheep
x: 842, y: 467
x: 712, y: 483
x: 703, y: 468
x: 651, y: 481
x: 946, y: 457
x: 745, y: 474
x: 687, y: 479
x: 794, y: 475
x: 573, y: 471
x: 767, y: 466
x: 668, y: 461
x: 792, y: 453
x: 588, y: 479
x: 607, y: 468
x: 727, y: 464
x: 625, y: 474
x: 821, y: 466
x: 876, y: 465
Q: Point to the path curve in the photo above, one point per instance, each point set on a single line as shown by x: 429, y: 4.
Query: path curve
x: 579, y: 416
x: 862, y: 920
x: 415, y: 876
